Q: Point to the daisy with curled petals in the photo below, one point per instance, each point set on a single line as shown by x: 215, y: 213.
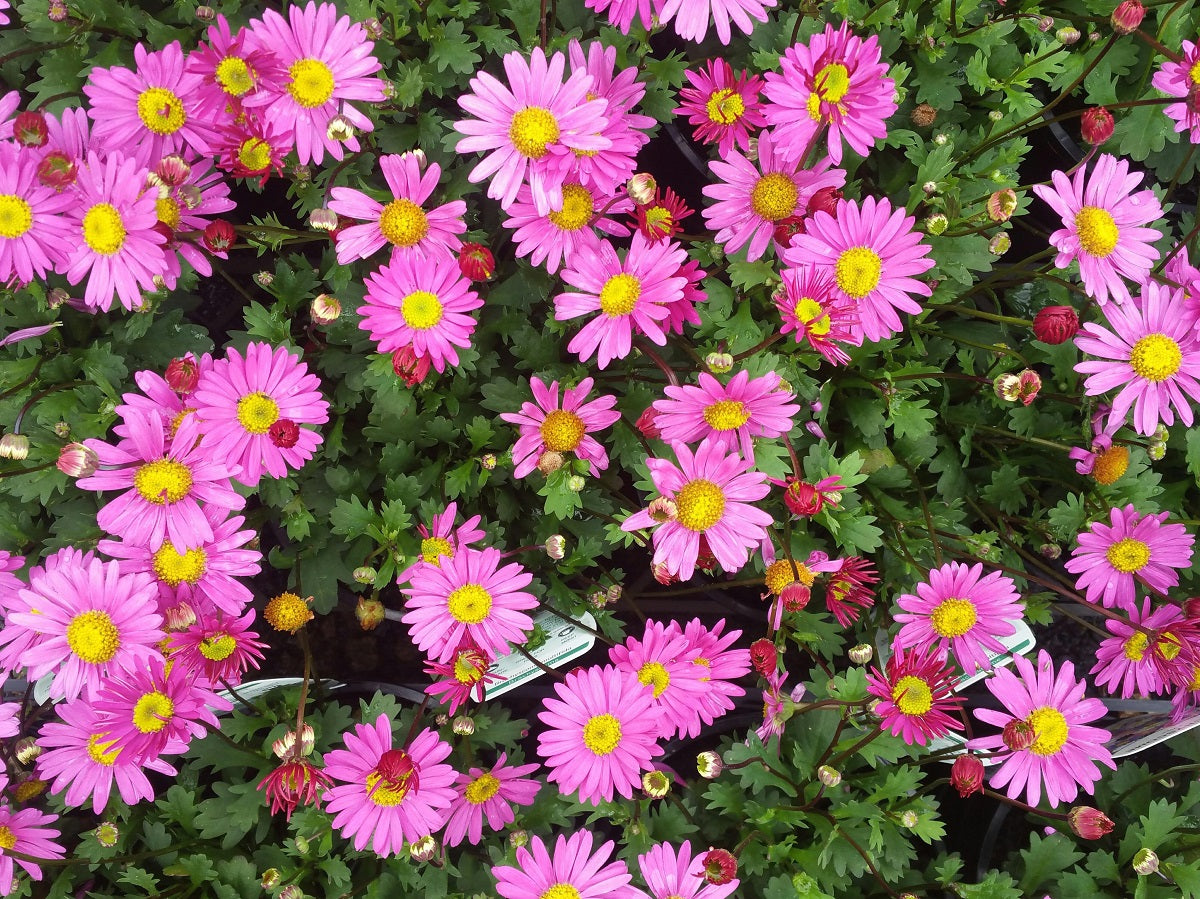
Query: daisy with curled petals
x: 600, y: 733
x: 751, y: 199
x: 329, y: 61
x: 403, y: 223
x: 252, y: 409
x: 873, y: 253
x: 729, y: 416
x: 1102, y: 218
x: 385, y: 795
x: 574, y: 871
x: 468, y: 596
x: 550, y: 426
x: 628, y: 296
x: 230, y: 71
x: 25, y: 831
x: 253, y: 149
x: 149, y: 112
x: 463, y: 678
x: 93, y: 621
x: 121, y: 248
x: 692, y: 17
x: 665, y: 661
x: 836, y: 80
x: 561, y: 234
x: 489, y: 793
x: 721, y: 107
x: 1151, y: 352
x: 1182, y: 79
x: 672, y: 873
x: 531, y: 129
x: 1065, y: 752
x: 423, y: 304
x: 712, y: 649
x: 1126, y: 661
x: 710, y: 494
x: 957, y: 610
x: 663, y: 216
x: 812, y: 308
x: 217, y: 648
x: 1111, y: 559
x: 916, y: 693
x: 34, y: 233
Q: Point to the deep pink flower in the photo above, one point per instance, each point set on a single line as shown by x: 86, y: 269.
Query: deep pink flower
x: 1182, y: 79
x: 675, y: 874
x: 811, y: 306
x: 723, y: 108
x: 560, y: 235
x: 574, y: 871
x: 916, y: 693
x: 1130, y: 663
x: 489, y: 793
x: 34, y: 232
x: 26, y: 832
x: 566, y: 427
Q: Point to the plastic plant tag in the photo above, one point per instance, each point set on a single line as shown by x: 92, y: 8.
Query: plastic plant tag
x: 565, y: 640
x: 1139, y: 732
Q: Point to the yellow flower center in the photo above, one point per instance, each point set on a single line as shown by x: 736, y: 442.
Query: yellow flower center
x: 1194, y: 73
x: 100, y: 752
x: 152, y: 712
x: 465, y: 671
x: 774, y: 196
x: 287, y: 612
x: 160, y: 110
x: 1128, y: 555
x: 912, y: 696
x: 103, y: 229
x: 312, y: 83
x: 217, y: 647
x: 8, y: 840
x: 482, y: 788
x: 163, y: 481
x: 726, y: 415
x: 578, y: 206
x: 257, y: 412
x: 830, y: 86
x: 654, y: 673
x: 532, y: 131
x: 173, y: 568
x: 659, y: 220
x: 1110, y: 464
x: 1167, y: 646
x: 700, y: 505
x: 16, y: 216
x: 1098, y: 232
x: 421, y: 310
x: 234, y: 76
x: 781, y: 572
x: 602, y: 733
x: 403, y: 223
x: 1155, y: 357
x: 93, y: 637
x: 432, y: 547
x: 619, y: 295
x: 1135, y: 646
x: 813, y: 316
x: 387, y: 796
x: 254, y: 154
x: 1195, y: 684
x: 857, y: 271
x: 725, y: 107
x: 469, y: 604
x: 167, y: 211
x: 953, y: 617
x: 1050, y: 730
x: 561, y: 891
x: 562, y: 431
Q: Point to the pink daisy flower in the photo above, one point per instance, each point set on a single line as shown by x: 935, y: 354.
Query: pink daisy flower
x: 872, y: 252
x: 625, y: 296
x: 187, y: 208
x: 82, y: 759
x: 121, y: 250
x: 531, y: 130
x: 463, y: 678
x: 253, y: 149
x: 468, y: 596
x: 692, y: 17
x: 751, y: 199
x: 93, y: 621
x: 916, y: 693
x: 1101, y: 226
x: 621, y: 12
x: 722, y: 664
x: 1111, y: 559
x: 665, y: 660
x: 230, y: 71
x: 729, y: 416
x: 34, y: 233
x: 420, y: 303
x: 713, y: 495
x: 959, y: 611
x: 774, y: 701
x: 812, y: 308
x: 721, y: 107
x: 164, y: 485
x: 663, y: 216
x: 573, y: 870
x: 329, y: 61
x: 1065, y: 752
x: 1152, y: 353
x: 442, y: 539
x: 672, y: 873
x: 252, y: 408
x: 387, y: 795
x: 151, y: 111
x: 1182, y: 79
x: 411, y: 230
x: 550, y: 426
x: 25, y: 831
x: 835, y: 80
x: 558, y: 236
x: 683, y: 311
x: 1126, y: 661
x: 600, y: 733
x: 10, y: 716
x: 488, y: 793
x: 218, y: 648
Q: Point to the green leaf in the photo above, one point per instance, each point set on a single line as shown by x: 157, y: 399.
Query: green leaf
x: 1159, y: 823
x: 232, y: 814
x: 1045, y: 858
x: 1068, y: 517
x: 454, y: 51
x: 351, y: 517
x: 138, y: 877
x: 1142, y: 132
x: 911, y: 418
x: 561, y: 500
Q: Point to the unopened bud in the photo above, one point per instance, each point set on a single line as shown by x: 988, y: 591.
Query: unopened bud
x: 764, y: 657
x: 645, y: 424
x: 941, y: 139
x: 662, y: 509
x: 996, y: 115
x: 424, y: 849
x: 301, y: 173
x: 270, y: 878
x: 369, y: 612
x: 1018, y: 735
x: 62, y: 430
x: 576, y: 483
x: 77, y: 461
x: 1145, y: 862
x: 291, y: 891
x: 57, y: 11
x: 1030, y: 383
x: 861, y: 654
x: 556, y: 547
x: 719, y: 866
x: 264, y: 279
x: 1050, y: 550
x: 1002, y: 204
x: 1007, y: 387
x: 29, y: 129
x: 14, y: 446
x: 179, y: 617
x: 1128, y: 16
x: 1000, y: 244
x: 373, y: 27
x: 598, y: 599
x: 936, y: 224
x: 518, y: 838
x: 1068, y: 35
x: 325, y: 309
x: 476, y: 262
x: 340, y: 129
x: 709, y: 765
x: 641, y: 188
x: 1045, y: 23
x: 719, y: 363
x: 463, y: 725
x: 487, y: 461
x: 829, y: 776
x: 614, y: 593
x: 365, y: 574
x: 966, y: 775
x: 107, y: 834
x: 909, y: 819
x: 795, y: 596
x: 1089, y: 823
x: 1096, y: 125
x: 1157, y: 450
x: 656, y: 784
x: 28, y: 750
x: 929, y: 187
x: 323, y: 219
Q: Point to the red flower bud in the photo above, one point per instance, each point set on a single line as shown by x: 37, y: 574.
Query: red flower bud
x: 1191, y: 607
x: 764, y: 657
x: 1128, y: 16
x: 825, y: 200
x: 646, y: 425
x: 1018, y: 734
x: 967, y: 775
x: 786, y: 229
x: 409, y: 366
x: 29, y: 129
x: 57, y: 170
x: 795, y: 596
x: 720, y: 866
x: 182, y: 374
x: 475, y: 261
x: 705, y: 560
x: 1089, y: 823
x: 1096, y: 125
x: 219, y: 236
x: 284, y: 433
x: 802, y: 498
x: 1055, y: 324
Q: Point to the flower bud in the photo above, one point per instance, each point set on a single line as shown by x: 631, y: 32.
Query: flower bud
x: 291, y: 891
x: 219, y: 236
x: 1007, y: 387
x: 662, y: 509
x: 598, y: 599
x: 936, y: 224
x: 787, y: 228
x: 556, y: 547
x: 1002, y: 204
x: 795, y: 596
x: 1128, y: 16
x: 825, y: 200
x: 57, y: 11
x: 270, y: 878
x: 325, y: 309
x: 996, y: 116
x: 614, y: 593
x: 14, y: 446
x: 373, y: 27
x: 28, y: 750
x: 641, y: 188
x: 645, y: 424
x: 1156, y: 450
x: 1045, y: 23
x: 829, y: 776
x: 410, y: 367
x: 107, y: 834
x: 487, y: 461
x: 909, y: 819
x: 57, y: 170
x: 1096, y: 125
x: 923, y: 115
x: 966, y: 775
x: 719, y: 363
x: 476, y: 263
x: 1050, y: 550
x: 284, y: 433
x: 764, y: 657
x: 656, y: 784
x: 1000, y: 244
x: 424, y: 849
x: 576, y: 483
x: 1055, y: 324
x: 365, y: 574
x: 1030, y: 383
x: 1018, y: 735
x: 549, y: 462
x: 264, y: 279
x: 369, y: 613
x: 1145, y: 861
x: 861, y: 654
x: 941, y: 139
x: 323, y: 219
x: 709, y: 765
x: 1089, y: 823
x: 77, y: 461
x: 179, y: 617
x: 719, y: 866
x: 518, y: 838
x: 1068, y: 35
x: 340, y: 129
x: 29, y: 129
x: 463, y: 725
x: 62, y: 430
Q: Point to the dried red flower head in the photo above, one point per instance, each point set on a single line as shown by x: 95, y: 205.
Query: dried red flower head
x: 923, y: 115
x: 966, y: 775
x: 1089, y: 823
x: 409, y: 366
x: 369, y: 613
x: 1018, y: 734
x: 802, y: 498
x: 825, y: 200
x: 646, y: 425
x: 295, y: 782
x: 1128, y: 16
x: 219, y: 236
x: 182, y: 374
x: 476, y: 263
x: 764, y: 657
x: 1055, y: 324
x: 29, y: 129
x: 57, y: 170
x: 284, y: 433
x: 795, y: 596
x: 787, y: 228
x: 1096, y: 125
x: 720, y: 866
x: 705, y: 560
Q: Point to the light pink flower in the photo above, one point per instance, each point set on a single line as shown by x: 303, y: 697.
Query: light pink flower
x: 692, y: 17
x: 1182, y: 79
x: 566, y: 427
x: 574, y: 867
x: 558, y: 236
x: 489, y: 793
x: 34, y: 232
